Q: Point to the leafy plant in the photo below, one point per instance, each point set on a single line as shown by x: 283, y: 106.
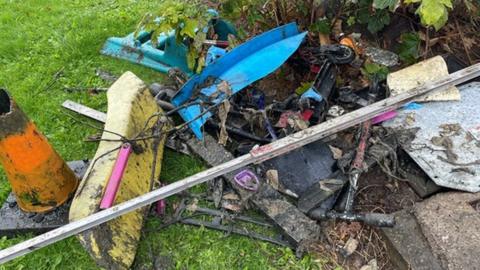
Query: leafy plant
x: 188, y: 18
x: 236, y: 9
x: 433, y: 12
x: 390, y: 4
x: 375, y: 19
x: 322, y: 26
x: 372, y: 70
x: 408, y: 51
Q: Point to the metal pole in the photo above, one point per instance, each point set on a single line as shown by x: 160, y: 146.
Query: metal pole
x: 257, y: 155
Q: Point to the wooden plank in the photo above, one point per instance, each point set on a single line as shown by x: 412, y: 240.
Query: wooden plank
x: 260, y: 154
x: 84, y: 110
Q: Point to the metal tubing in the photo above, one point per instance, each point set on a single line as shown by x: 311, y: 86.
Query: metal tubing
x: 260, y: 154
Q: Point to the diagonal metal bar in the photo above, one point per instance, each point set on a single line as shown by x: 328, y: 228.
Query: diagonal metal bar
x: 260, y: 154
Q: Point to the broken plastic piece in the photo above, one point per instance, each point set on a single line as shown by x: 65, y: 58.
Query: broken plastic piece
x: 247, y: 180
x: 413, y: 106
x: 213, y: 54
x: 319, y: 192
x: 304, y: 167
x: 239, y: 68
x: 167, y: 53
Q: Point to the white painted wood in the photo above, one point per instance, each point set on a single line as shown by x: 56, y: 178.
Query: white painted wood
x: 260, y: 154
x: 84, y: 110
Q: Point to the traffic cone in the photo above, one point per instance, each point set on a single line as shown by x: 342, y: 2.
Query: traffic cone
x: 40, y: 179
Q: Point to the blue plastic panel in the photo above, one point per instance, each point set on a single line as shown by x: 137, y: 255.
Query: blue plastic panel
x: 240, y: 67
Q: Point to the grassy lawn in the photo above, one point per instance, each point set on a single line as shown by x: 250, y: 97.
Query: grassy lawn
x: 41, y: 37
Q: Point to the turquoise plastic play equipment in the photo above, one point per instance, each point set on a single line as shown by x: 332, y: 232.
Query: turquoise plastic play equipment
x: 238, y: 68
x: 167, y: 53
x: 140, y: 50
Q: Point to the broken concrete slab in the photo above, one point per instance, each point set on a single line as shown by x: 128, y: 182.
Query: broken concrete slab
x: 406, y: 245
x: 439, y: 233
x: 451, y: 227
x: 382, y: 57
x: 294, y: 224
x: 131, y: 107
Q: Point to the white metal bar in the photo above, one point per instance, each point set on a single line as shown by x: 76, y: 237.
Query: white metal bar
x: 260, y: 154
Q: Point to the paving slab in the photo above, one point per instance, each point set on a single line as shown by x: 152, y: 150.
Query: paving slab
x: 407, y: 246
x: 451, y: 226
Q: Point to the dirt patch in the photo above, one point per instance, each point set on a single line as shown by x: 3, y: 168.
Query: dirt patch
x: 280, y: 84
x: 377, y: 193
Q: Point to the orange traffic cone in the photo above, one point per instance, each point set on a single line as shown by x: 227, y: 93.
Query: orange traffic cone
x: 40, y: 179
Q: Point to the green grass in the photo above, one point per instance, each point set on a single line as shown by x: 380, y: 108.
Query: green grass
x: 41, y: 37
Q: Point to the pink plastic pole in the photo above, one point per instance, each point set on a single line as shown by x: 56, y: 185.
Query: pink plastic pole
x: 116, y: 177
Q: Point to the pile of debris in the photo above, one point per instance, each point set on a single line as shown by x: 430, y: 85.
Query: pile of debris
x: 291, y: 128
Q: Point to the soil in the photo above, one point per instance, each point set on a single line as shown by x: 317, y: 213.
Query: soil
x: 377, y: 193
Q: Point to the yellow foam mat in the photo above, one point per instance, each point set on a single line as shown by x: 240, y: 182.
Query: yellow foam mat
x: 113, y: 244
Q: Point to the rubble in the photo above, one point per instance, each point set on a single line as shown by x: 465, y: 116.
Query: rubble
x: 350, y: 247
x: 450, y: 225
x: 422, y: 72
x: 296, y: 225
x: 372, y: 265
x: 407, y: 246
x: 439, y: 233
x: 382, y: 57
x: 298, y: 156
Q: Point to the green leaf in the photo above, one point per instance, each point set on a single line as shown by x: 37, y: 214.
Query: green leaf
x: 303, y: 88
x: 390, y: 4
x: 322, y: 26
x: 378, y: 21
x: 433, y: 12
x: 189, y: 27
x: 192, y: 58
x: 375, y: 19
x: 408, y: 51
x: 372, y: 70
x: 200, y: 64
x: 351, y: 21
x: 198, y: 41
